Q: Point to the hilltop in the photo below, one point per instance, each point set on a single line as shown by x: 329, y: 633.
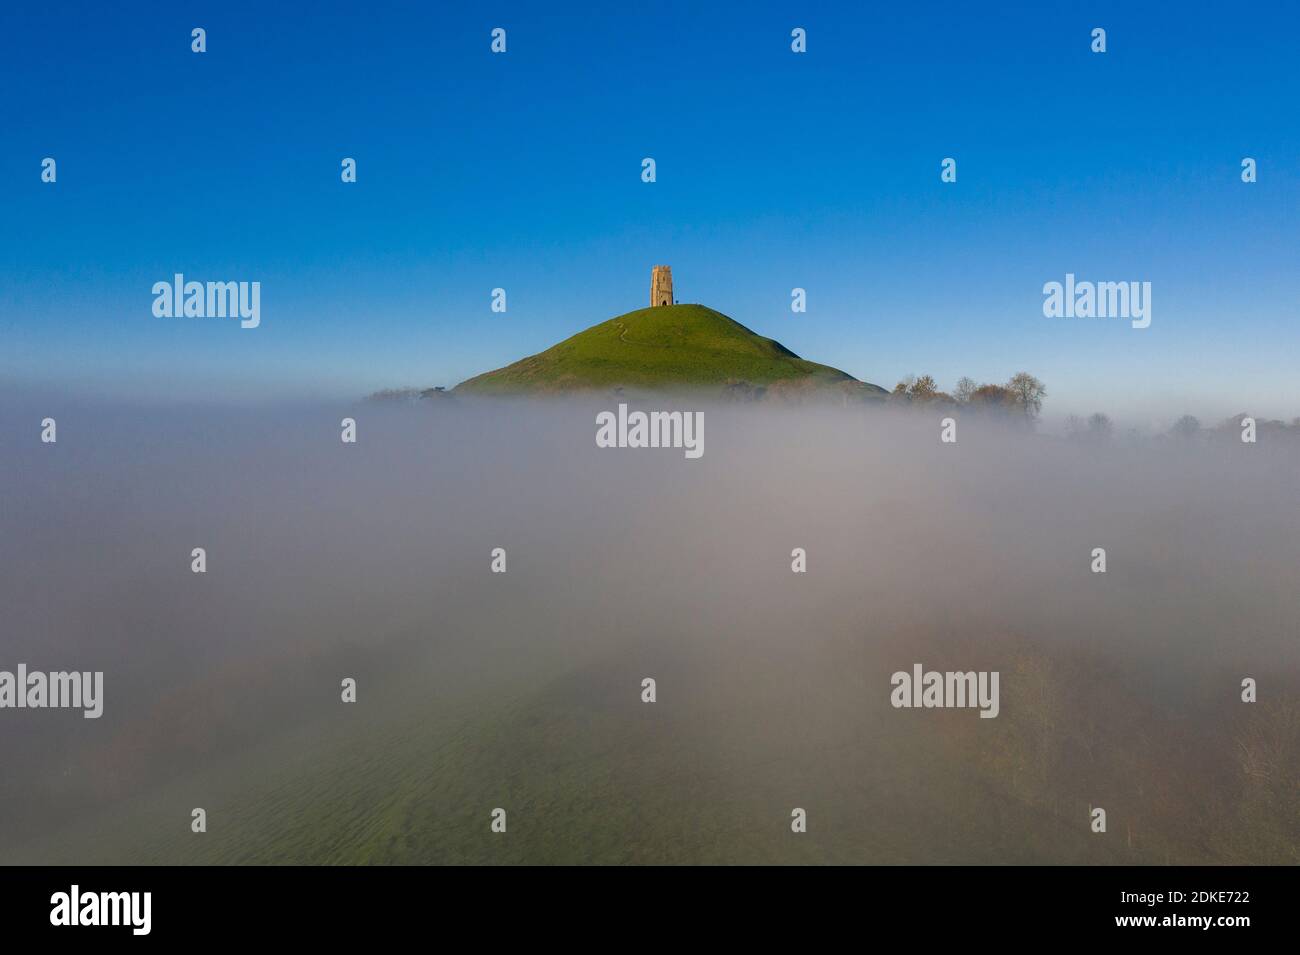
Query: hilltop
x: 669, y: 348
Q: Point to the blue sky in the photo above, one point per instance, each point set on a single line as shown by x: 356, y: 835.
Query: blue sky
x: 775, y: 170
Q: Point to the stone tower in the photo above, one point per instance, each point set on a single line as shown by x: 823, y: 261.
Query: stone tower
x: 661, y: 285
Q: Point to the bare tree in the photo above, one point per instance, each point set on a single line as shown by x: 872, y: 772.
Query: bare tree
x: 1099, y: 426
x: 965, y: 388
x: 1029, y: 392
x: 1186, y: 427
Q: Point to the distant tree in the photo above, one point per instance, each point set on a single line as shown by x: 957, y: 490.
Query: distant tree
x: 965, y: 388
x: 737, y: 389
x: 1100, y: 426
x: 1096, y: 428
x: 993, y: 398
x: 923, y: 389
x: 918, y: 390
x: 1186, y: 427
x: 395, y: 394
x: 1029, y: 392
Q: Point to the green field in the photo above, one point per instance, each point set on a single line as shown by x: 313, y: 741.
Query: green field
x: 675, y: 347
x: 710, y: 774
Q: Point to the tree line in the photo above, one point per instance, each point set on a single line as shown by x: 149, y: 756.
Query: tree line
x: 1021, y: 395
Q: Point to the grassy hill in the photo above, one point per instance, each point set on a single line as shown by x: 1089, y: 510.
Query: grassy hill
x: 675, y: 347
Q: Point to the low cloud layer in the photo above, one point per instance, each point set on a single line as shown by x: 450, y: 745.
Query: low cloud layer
x: 523, y: 690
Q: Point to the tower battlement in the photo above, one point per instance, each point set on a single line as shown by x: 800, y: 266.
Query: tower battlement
x: 661, y: 285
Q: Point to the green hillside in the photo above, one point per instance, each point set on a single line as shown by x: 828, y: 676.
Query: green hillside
x: 675, y: 347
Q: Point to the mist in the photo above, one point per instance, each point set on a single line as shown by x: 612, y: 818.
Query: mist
x: 523, y: 690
